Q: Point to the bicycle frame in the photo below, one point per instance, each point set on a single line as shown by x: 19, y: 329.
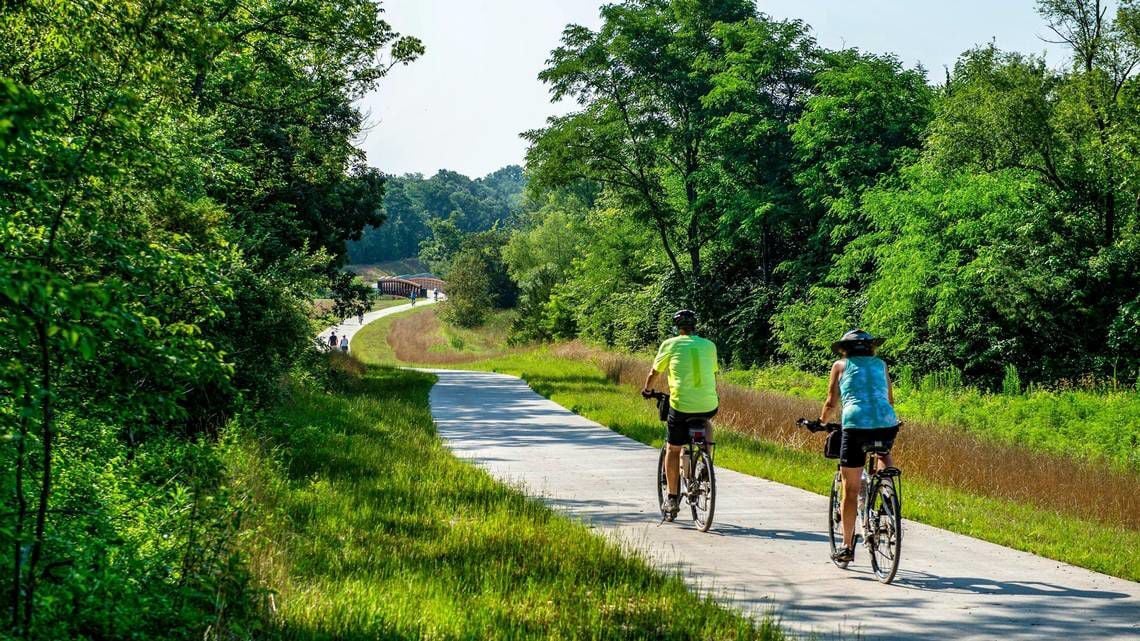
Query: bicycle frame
x: 698, y: 483
x: 882, y: 521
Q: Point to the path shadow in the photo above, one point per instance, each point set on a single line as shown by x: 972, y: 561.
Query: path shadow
x: 978, y: 585
x: 731, y: 529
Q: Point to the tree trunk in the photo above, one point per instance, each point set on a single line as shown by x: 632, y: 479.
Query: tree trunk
x: 47, y: 435
x: 21, y: 517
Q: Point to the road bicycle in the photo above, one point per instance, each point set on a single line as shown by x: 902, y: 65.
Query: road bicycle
x: 698, y: 478
x: 880, y: 505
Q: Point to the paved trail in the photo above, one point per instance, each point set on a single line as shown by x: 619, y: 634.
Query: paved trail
x: 768, y: 548
x: 351, y: 325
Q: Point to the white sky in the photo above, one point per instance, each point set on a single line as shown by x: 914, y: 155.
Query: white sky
x: 462, y: 105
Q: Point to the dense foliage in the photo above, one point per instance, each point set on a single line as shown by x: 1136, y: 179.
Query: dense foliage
x: 177, y: 179
x: 723, y: 160
x: 477, y: 278
x: 433, y: 210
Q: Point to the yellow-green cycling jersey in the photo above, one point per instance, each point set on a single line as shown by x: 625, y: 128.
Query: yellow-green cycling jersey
x: 690, y: 362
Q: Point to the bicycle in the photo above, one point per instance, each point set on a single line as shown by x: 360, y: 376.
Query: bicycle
x: 879, y: 511
x: 698, y: 477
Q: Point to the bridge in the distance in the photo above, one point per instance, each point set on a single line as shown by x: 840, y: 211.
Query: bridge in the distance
x: 406, y: 284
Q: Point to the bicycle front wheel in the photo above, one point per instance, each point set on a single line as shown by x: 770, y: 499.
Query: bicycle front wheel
x: 662, y: 484
x: 702, y: 491
x: 885, y: 516
x: 835, y: 518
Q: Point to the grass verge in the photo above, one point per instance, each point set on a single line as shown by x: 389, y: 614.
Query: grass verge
x: 1097, y: 425
x: 372, y: 529
x: 419, y: 337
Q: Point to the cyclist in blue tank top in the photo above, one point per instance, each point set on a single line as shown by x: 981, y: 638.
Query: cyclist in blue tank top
x: 860, y: 382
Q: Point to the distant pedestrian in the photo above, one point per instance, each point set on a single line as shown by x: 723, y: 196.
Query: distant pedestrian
x: 332, y: 341
x: 344, y: 344
x: 360, y: 318
x: 413, y: 298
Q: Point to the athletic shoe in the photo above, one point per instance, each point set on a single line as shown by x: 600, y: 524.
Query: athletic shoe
x: 843, y: 555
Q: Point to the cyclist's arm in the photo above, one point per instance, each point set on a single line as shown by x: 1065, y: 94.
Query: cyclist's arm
x: 649, y: 379
x: 832, y: 403
x: 660, y: 362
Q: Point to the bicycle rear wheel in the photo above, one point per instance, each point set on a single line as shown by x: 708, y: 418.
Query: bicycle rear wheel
x: 834, y: 518
x: 662, y: 485
x: 702, y: 491
x: 885, y: 516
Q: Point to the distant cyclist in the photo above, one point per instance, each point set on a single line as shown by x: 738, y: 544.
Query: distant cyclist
x: 859, y: 381
x: 690, y: 362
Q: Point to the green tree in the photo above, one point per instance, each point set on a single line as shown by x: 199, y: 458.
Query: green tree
x: 538, y: 259
x: 468, y: 291
x: 178, y: 179
x: 644, y: 127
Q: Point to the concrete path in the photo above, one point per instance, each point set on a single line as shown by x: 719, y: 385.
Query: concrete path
x: 768, y: 549
x: 352, y: 325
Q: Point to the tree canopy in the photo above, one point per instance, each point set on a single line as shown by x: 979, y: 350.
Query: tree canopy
x: 790, y: 192
x: 179, y: 180
x: 414, y: 207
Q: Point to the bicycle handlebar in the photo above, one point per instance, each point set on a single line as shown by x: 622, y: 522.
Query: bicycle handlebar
x: 819, y: 426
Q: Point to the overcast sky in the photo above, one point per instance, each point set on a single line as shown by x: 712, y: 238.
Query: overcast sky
x: 464, y: 103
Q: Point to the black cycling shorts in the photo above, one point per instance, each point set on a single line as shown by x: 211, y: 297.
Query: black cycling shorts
x: 851, y: 452
x: 678, y: 423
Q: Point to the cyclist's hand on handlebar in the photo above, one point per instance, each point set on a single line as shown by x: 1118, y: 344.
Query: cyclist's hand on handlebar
x: 646, y: 392
x: 818, y: 425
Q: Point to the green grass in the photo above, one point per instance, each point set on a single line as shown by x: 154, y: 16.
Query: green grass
x: 372, y: 529
x: 1086, y: 424
x: 385, y: 303
x: 370, y: 344
x: 486, y: 339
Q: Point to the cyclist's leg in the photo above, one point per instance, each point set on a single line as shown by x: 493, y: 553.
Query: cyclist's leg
x: 852, y: 458
x: 885, y: 459
x: 676, y: 438
x: 852, y: 479
x: 673, y: 468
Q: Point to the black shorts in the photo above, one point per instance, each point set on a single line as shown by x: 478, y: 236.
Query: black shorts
x: 851, y: 452
x: 678, y: 423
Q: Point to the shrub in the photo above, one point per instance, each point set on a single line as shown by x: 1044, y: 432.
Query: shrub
x: 469, y: 291
x: 1011, y: 384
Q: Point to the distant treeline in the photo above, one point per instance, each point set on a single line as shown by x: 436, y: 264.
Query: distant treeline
x: 723, y: 160
x: 448, y: 202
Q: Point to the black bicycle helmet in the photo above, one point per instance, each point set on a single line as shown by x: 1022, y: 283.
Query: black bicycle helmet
x: 685, y: 319
x: 856, y: 340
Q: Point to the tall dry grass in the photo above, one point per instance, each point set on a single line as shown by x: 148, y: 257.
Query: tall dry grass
x: 944, y: 455
x: 418, y: 338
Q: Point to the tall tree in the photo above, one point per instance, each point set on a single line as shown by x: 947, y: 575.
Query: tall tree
x: 643, y: 130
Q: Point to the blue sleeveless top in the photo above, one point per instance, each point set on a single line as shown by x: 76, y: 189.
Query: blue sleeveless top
x: 863, y: 389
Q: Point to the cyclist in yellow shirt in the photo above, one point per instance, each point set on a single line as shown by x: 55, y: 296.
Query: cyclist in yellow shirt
x: 691, y: 364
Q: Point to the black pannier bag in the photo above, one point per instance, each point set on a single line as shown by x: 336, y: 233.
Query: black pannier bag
x: 663, y: 407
